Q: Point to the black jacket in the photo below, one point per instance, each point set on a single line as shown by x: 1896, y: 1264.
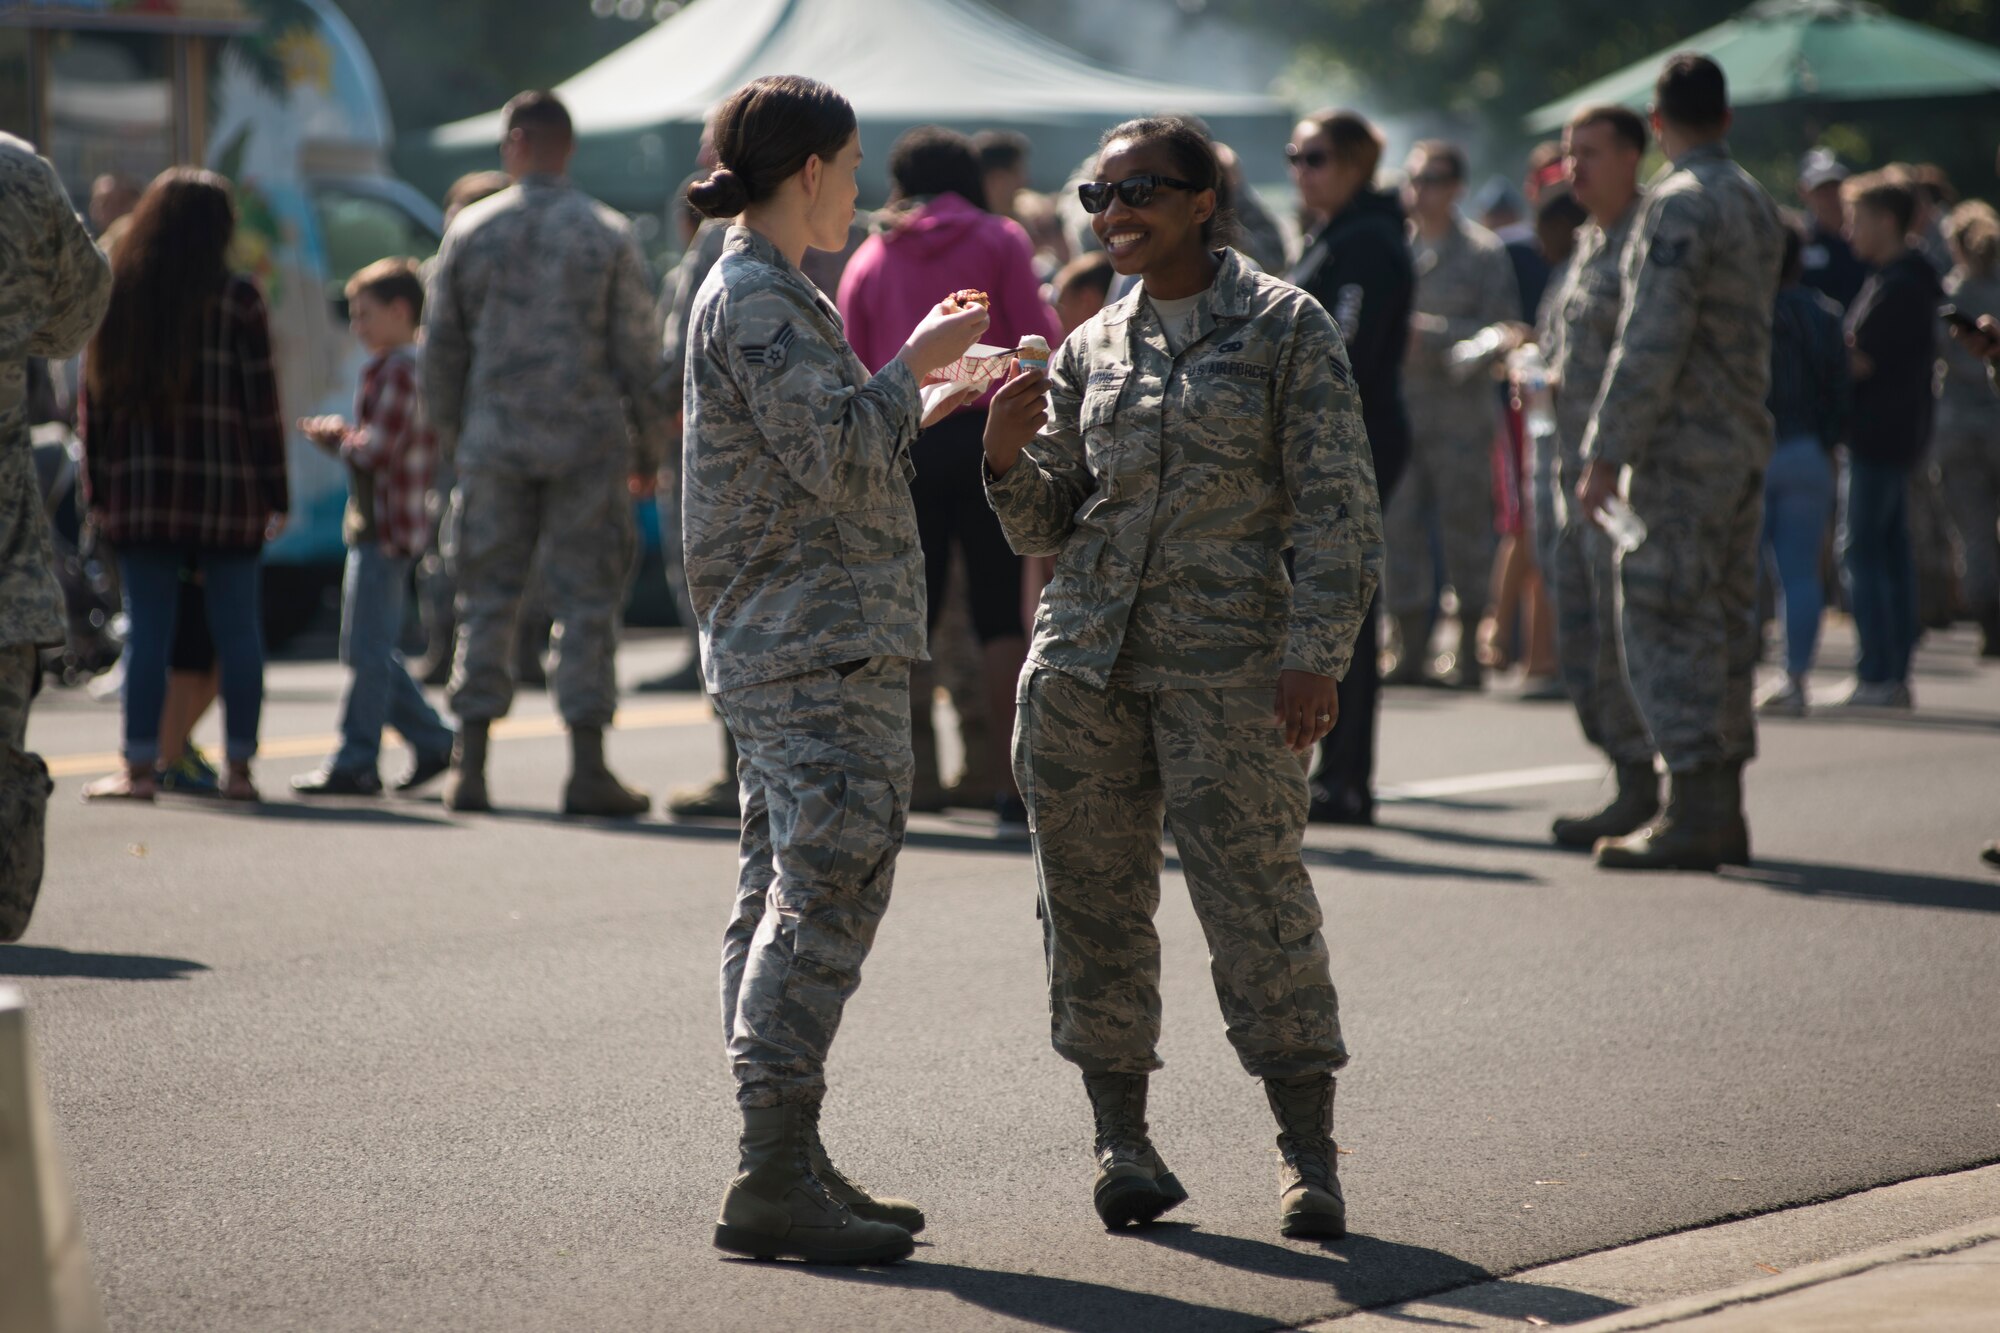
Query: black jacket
x: 1894, y: 323
x: 1358, y: 267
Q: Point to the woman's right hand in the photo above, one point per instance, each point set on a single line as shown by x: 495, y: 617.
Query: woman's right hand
x: 1014, y: 417
x: 941, y: 338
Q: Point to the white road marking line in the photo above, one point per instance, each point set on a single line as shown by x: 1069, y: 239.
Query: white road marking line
x: 1473, y: 784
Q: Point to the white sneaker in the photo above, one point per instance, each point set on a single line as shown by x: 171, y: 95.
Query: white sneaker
x: 1785, y: 697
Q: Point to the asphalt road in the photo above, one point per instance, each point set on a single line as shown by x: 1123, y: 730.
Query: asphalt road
x: 366, y: 1066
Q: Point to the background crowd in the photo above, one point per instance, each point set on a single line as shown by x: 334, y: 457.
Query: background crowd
x: 1881, y: 495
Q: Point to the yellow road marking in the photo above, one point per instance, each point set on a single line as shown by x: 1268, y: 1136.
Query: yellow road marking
x: 679, y: 713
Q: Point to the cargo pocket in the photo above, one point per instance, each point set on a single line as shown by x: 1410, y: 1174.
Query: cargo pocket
x: 881, y: 553
x: 1668, y: 574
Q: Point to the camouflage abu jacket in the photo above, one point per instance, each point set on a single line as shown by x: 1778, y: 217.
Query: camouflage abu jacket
x: 1583, y: 325
x: 1169, y: 488
x: 541, y: 337
x: 801, y: 538
x: 1685, y: 386
x: 54, y: 285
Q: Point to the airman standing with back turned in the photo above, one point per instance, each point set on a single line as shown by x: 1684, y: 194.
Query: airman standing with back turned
x: 1683, y: 407
x: 542, y: 354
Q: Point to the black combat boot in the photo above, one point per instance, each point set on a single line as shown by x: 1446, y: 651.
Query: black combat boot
x: 1309, y: 1199
x: 777, y: 1208
x: 1134, y: 1185
x: 1637, y: 801
x: 1693, y: 834
x: 465, y: 788
x: 899, y: 1212
x: 593, y: 789
x: 1736, y: 846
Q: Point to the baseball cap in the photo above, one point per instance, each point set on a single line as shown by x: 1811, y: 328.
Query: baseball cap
x: 1820, y: 167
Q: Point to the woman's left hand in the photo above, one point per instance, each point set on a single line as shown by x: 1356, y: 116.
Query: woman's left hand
x: 1308, y: 706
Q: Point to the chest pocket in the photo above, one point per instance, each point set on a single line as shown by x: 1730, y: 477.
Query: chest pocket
x: 1097, y: 419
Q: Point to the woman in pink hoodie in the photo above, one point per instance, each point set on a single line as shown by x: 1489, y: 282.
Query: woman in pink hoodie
x: 940, y: 239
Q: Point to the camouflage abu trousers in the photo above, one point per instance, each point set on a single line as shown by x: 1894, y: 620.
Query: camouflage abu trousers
x: 581, y: 526
x: 1581, y: 575
x: 1687, y: 611
x: 823, y: 759
x: 1099, y: 769
x: 24, y: 795
x: 1448, y: 484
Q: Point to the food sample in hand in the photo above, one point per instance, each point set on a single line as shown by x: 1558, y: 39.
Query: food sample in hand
x: 1033, y: 353
x: 966, y: 298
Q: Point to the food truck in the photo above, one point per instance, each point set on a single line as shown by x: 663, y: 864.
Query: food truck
x: 281, y: 97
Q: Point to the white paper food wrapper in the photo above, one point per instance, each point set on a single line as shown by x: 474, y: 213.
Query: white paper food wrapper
x: 981, y: 366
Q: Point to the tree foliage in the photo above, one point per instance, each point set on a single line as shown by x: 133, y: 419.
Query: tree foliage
x: 1502, y: 58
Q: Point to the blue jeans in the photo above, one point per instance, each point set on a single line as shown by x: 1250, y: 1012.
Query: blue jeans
x: 231, y: 584
x: 1798, y: 505
x: 1878, y: 568
x: 379, y: 688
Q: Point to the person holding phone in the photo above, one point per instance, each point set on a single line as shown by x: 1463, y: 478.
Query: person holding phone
x: 807, y: 580
x: 1189, y: 435
x: 1968, y: 414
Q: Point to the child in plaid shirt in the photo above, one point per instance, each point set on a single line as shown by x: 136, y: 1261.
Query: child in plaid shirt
x: 391, y: 456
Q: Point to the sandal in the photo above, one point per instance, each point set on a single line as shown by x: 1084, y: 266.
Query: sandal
x: 130, y: 784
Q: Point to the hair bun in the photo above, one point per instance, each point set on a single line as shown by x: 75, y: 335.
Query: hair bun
x: 722, y: 195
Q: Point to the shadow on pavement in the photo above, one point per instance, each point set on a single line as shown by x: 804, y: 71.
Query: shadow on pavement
x: 1360, y: 1272
x: 1366, y: 1272
x: 27, y: 960
x: 1814, y: 879
x: 1460, y: 838
x: 1918, y: 719
x: 335, y: 811
x: 1365, y: 861
x: 1046, y: 1302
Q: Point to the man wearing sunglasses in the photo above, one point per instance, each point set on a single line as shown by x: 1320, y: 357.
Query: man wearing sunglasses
x: 1465, y: 283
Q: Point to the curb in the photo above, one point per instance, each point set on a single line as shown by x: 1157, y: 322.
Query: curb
x: 1812, y: 1275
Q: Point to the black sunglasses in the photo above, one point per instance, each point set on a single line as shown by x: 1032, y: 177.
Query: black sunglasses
x: 1136, y: 191
x: 1311, y: 157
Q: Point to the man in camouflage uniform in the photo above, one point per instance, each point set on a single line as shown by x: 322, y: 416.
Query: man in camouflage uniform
x: 1605, y: 145
x: 541, y: 360
x: 1683, y: 407
x: 1183, y: 456
x: 54, y: 285
x: 1465, y: 283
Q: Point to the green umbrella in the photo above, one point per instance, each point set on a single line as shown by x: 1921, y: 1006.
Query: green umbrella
x: 1785, y: 51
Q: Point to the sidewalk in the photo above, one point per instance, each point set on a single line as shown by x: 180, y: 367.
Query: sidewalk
x: 1919, y: 1255
x: 1945, y: 1283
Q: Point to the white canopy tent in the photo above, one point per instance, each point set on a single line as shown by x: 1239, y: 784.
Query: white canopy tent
x: 901, y: 63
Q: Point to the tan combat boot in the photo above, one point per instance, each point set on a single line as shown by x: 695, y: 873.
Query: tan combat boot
x: 465, y: 787
x: 1309, y: 1199
x: 898, y: 1212
x: 1637, y: 801
x: 593, y: 789
x: 1134, y: 1185
x: 777, y: 1208
x: 1695, y: 833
